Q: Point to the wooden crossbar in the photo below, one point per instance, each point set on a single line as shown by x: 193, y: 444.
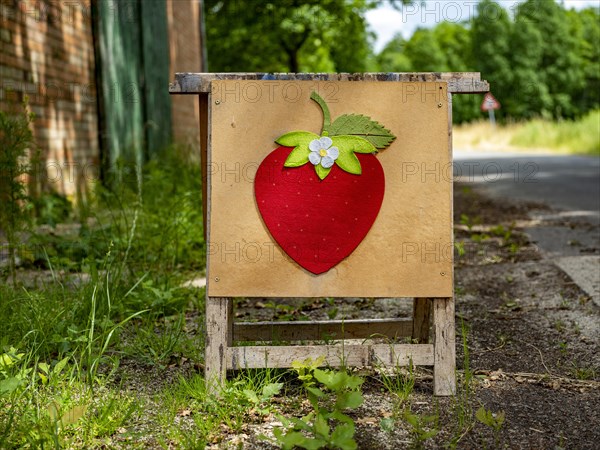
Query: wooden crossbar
x: 357, y: 355
x: 322, y: 330
x: 458, y: 82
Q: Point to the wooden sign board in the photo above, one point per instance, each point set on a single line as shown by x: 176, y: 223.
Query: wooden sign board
x: 408, y: 252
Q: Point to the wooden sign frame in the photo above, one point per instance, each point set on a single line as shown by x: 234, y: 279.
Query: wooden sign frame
x: 433, y: 301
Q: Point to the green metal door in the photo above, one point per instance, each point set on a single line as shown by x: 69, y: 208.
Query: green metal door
x: 132, y: 64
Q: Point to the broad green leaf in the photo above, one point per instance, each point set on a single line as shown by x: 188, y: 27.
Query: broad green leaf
x: 352, y: 399
x: 315, y: 391
x: 348, y: 162
x: 387, y: 424
x: 44, y: 367
x: 338, y: 415
x: 363, y: 126
x: 322, y: 172
x: 43, y: 377
x: 354, y: 381
x: 60, y: 366
x: 321, y: 426
x: 353, y: 144
x: 270, y: 390
x: 343, y: 437
x: 296, y: 138
x: 9, y: 385
x: 298, y: 157
x: 324, y: 376
x: 299, y: 424
x: 296, y: 439
x: 251, y: 395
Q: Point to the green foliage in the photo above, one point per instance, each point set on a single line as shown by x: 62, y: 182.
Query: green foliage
x: 288, y: 36
x: 492, y: 420
x: 401, y: 384
x: 542, y: 63
x: 52, y: 208
x: 16, y: 140
x: 422, y: 427
x: 329, y: 393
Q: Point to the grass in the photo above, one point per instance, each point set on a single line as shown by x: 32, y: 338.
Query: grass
x: 61, y: 343
x: 581, y: 136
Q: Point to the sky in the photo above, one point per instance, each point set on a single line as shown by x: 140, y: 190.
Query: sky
x: 387, y: 22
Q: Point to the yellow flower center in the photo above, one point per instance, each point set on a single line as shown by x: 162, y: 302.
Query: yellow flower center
x: 323, y: 153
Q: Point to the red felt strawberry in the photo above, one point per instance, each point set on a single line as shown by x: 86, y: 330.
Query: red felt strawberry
x: 320, y: 195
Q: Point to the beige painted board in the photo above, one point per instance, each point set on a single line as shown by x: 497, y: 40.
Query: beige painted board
x: 407, y: 252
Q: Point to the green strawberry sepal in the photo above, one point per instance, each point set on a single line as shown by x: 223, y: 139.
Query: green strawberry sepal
x: 338, y: 144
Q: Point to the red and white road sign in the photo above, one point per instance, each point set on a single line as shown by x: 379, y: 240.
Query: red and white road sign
x: 489, y: 102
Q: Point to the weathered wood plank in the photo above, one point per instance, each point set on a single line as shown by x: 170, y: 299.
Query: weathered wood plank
x: 421, y: 319
x: 444, y: 380
x: 218, y: 339
x: 458, y: 82
x: 335, y: 355
x: 321, y: 330
x: 203, y: 101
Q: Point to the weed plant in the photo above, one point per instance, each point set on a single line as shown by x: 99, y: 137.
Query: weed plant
x: 16, y: 141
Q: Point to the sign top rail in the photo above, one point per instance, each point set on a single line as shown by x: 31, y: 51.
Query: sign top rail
x: 458, y: 82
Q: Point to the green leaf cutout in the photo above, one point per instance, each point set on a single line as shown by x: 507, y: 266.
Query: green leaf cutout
x: 296, y: 138
x: 349, y: 162
x: 322, y: 172
x: 299, y: 140
x: 363, y: 126
x: 354, y: 144
x: 298, y: 157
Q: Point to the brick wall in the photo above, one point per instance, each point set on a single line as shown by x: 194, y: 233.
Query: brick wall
x: 186, y: 56
x: 47, y: 54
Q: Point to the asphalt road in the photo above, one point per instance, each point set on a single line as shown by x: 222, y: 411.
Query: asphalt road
x: 569, y: 235
x: 569, y: 183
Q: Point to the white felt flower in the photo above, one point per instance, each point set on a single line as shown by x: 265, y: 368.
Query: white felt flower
x: 321, y: 152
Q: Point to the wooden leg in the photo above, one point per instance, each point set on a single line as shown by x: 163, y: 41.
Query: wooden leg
x: 444, y: 380
x: 421, y: 315
x: 219, y: 332
x: 203, y: 99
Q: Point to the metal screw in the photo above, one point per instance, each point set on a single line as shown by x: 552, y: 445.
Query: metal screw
x: 440, y: 105
x: 217, y: 279
x: 443, y: 274
x: 217, y: 102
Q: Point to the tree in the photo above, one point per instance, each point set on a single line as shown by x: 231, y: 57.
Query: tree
x: 491, y: 29
x: 392, y: 57
x: 287, y: 35
x: 560, y: 67
x: 585, y: 27
x: 530, y: 93
x: 424, y: 52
